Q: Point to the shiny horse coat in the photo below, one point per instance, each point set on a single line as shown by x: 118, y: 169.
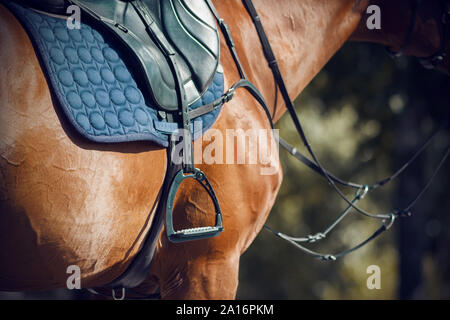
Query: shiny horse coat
x: 99, y: 219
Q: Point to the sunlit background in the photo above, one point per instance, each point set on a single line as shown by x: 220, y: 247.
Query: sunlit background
x: 364, y: 114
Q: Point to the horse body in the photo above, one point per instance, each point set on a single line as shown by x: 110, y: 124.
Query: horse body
x: 65, y: 201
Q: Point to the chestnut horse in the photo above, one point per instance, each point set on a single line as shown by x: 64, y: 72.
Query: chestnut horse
x: 65, y: 201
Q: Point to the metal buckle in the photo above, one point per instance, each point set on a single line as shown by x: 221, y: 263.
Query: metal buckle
x: 316, y: 237
x: 388, y: 223
x: 194, y: 233
x: 361, y: 192
x: 228, y: 95
x: 115, y: 297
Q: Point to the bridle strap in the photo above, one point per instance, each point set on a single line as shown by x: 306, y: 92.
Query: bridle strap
x: 386, y: 225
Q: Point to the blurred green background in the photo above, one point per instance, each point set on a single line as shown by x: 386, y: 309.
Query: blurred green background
x: 365, y: 115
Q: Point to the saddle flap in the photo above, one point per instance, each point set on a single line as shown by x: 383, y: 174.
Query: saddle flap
x: 190, y: 31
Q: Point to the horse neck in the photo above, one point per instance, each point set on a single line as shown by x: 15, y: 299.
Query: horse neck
x: 304, y: 36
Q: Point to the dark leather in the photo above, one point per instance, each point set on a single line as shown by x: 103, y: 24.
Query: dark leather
x: 190, y: 31
x: 52, y: 6
x: 188, y: 26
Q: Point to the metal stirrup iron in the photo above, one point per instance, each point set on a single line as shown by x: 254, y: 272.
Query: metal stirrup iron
x: 194, y: 233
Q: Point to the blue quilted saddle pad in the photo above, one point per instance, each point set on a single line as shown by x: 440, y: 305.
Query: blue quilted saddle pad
x: 96, y: 89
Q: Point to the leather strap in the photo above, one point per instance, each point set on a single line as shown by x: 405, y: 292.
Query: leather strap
x: 243, y: 83
x: 138, y: 270
x: 228, y: 38
x: 273, y: 64
x: 388, y: 218
x: 169, y: 53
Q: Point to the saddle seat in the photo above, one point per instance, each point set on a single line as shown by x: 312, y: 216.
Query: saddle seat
x: 186, y: 28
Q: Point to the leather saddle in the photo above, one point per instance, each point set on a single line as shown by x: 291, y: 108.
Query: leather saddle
x: 176, y: 45
x: 185, y: 30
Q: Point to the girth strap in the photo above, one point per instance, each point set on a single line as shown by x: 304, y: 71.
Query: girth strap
x: 140, y: 266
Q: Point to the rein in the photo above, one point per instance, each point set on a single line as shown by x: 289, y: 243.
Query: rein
x: 387, y: 219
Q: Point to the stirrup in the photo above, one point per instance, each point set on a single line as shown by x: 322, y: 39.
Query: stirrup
x: 194, y: 233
